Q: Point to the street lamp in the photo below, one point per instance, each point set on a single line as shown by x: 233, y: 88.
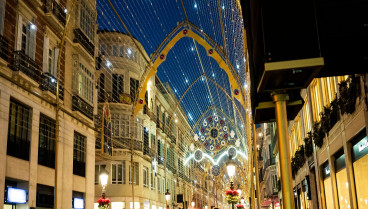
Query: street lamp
x: 167, y: 196
x: 193, y: 203
x: 230, y: 169
x: 104, y: 175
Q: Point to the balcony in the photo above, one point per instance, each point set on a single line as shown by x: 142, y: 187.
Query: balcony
x: 83, y: 40
x: 4, y: 48
x: 78, y: 104
x: 48, y: 86
x: 55, y: 14
x: 26, y: 69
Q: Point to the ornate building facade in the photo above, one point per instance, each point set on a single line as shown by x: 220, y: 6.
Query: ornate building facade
x: 47, y: 143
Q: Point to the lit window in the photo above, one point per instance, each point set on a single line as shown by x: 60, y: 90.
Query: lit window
x: 118, y: 173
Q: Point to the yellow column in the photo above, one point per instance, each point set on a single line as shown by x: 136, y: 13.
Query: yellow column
x: 284, y: 152
x: 333, y: 180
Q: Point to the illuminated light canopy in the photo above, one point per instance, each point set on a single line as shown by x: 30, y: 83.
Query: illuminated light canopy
x: 213, y: 161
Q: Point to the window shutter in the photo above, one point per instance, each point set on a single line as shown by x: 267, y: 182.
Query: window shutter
x: 136, y: 173
x: 2, y: 15
x: 56, y: 56
x: 32, y: 43
x: 45, y: 62
x: 19, y: 33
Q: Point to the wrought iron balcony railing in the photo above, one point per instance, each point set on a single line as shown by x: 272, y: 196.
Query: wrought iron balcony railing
x: 51, y: 6
x: 4, y: 48
x: 49, y: 84
x: 82, y: 39
x: 78, y: 104
x: 26, y: 65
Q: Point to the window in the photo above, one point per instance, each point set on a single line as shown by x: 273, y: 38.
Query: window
x: 19, y: 131
x: 138, y: 129
x: 2, y: 15
x: 115, y: 50
x: 136, y: 173
x: 118, y: 173
x: 152, y: 181
x: 117, y: 86
x: 103, y: 49
x: 46, y: 144
x: 122, y: 51
x: 79, y: 154
x: 134, y: 85
x: 50, y: 57
x: 120, y: 125
x: 146, y: 149
x: 87, y: 20
x: 316, y: 100
x: 26, y: 40
x: 83, y: 83
x: 159, y: 184
x: 145, y: 176
x: 98, y: 169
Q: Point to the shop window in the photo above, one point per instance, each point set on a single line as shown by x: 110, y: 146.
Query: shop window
x: 342, y: 180
x: 19, y: 131
x: 45, y: 196
x: 46, y: 144
x: 118, y: 173
x: 79, y: 154
x: 360, y: 165
x: 327, y: 185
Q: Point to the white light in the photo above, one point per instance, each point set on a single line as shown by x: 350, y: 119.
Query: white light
x: 129, y: 51
x: 33, y: 26
x: 195, y: 5
x: 65, y: 10
x: 16, y: 195
x: 193, y: 203
x: 186, y: 80
x: 223, y: 7
x: 230, y: 170
x: 137, y: 119
x: 260, y: 134
x: 149, y: 83
x: 53, y: 80
x: 78, y: 203
x: 176, y: 120
x: 246, y: 86
x: 238, y: 66
x: 103, y: 179
x: 108, y: 63
x: 192, y: 48
x: 242, y: 200
x: 213, y: 75
x: 205, y: 207
x: 239, y: 191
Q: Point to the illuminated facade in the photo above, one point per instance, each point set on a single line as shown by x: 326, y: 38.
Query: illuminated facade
x: 49, y: 157
x: 161, y: 136
x: 328, y: 141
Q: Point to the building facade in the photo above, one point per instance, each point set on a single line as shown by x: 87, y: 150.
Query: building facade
x: 47, y: 144
x: 328, y: 141
x: 161, y: 134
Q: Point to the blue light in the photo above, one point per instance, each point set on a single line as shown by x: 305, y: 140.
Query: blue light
x: 192, y: 48
x: 186, y: 80
x: 213, y: 75
x: 223, y: 7
x: 16, y: 195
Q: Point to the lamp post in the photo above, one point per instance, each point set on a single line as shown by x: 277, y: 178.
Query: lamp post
x: 231, y: 172
x: 104, y: 175
x: 167, y: 196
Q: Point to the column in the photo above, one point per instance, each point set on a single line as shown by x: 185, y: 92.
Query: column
x: 4, y: 122
x: 284, y: 152
x: 33, y: 160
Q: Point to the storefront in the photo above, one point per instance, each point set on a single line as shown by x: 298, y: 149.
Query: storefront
x: 360, y: 165
x: 327, y: 185
x: 16, y: 194
x: 342, y: 180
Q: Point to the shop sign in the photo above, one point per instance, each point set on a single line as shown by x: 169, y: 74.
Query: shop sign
x: 78, y: 203
x: 363, y: 145
x: 15, y: 195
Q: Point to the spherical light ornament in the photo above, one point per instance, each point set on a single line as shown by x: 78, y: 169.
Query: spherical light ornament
x: 141, y: 101
x: 203, y: 138
x: 230, y: 169
x: 216, y: 170
x: 198, y: 155
x: 162, y: 56
x: 167, y: 195
x: 193, y: 203
x: 185, y: 31
x: 231, y: 152
x: 104, y: 177
x: 212, y: 147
